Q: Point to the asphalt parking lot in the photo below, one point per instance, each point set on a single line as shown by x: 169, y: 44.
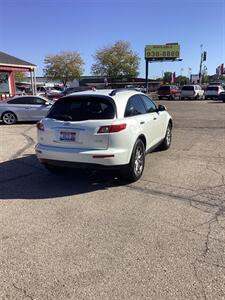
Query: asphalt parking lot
x: 80, y: 236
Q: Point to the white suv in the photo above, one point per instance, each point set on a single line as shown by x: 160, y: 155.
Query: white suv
x: 192, y: 92
x: 104, y: 128
x: 213, y: 91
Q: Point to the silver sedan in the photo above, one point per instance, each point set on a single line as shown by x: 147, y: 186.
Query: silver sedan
x: 24, y: 108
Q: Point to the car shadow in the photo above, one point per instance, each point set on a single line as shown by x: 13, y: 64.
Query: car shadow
x: 25, y: 178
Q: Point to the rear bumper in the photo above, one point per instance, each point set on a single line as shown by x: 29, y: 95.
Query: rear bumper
x: 164, y: 95
x: 76, y: 165
x: 82, y: 157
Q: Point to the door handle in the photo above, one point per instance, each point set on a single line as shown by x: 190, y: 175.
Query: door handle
x: 142, y: 122
x: 154, y: 118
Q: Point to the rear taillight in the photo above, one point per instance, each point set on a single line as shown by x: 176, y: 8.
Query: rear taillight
x: 40, y: 126
x: 112, y: 128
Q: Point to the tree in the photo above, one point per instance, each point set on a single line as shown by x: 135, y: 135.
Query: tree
x: 65, y: 66
x: 167, y: 77
x: 20, y: 76
x: 216, y: 78
x: 182, y: 80
x: 116, y: 61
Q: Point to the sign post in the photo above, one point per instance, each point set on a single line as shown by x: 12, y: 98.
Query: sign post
x: 160, y: 53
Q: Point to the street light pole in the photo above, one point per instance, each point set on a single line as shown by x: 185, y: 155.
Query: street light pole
x: 200, y: 68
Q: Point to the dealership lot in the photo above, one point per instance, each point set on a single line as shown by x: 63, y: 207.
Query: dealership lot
x: 91, y: 236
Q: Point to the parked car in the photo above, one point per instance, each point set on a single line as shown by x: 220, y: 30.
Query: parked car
x: 71, y: 90
x: 213, y: 91
x: 192, y: 92
x: 137, y: 88
x: 23, y: 108
x: 222, y: 96
x: 169, y: 91
x: 103, y: 128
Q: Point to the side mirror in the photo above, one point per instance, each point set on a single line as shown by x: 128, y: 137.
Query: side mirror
x: 161, y: 107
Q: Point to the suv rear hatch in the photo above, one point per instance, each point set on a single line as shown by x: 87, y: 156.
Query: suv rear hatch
x: 164, y: 90
x: 188, y: 91
x: 212, y: 91
x: 74, y: 122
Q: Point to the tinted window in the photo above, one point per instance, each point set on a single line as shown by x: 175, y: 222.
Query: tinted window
x: 212, y: 88
x: 82, y: 108
x: 20, y: 100
x: 37, y: 101
x: 164, y: 88
x: 134, y: 107
x: 150, y: 106
x: 188, y: 88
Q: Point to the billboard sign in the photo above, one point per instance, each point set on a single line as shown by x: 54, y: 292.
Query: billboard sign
x: 162, y: 52
x: 195, y: 78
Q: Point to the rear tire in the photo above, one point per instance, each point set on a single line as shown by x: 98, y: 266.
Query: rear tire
x: 9, y: 118
x: 135, y: 168
x: 168, y: 138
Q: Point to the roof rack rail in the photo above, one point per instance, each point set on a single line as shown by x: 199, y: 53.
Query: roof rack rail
x: 115, y: 91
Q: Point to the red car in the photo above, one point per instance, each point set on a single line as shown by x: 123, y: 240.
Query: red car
x: 169, y: 92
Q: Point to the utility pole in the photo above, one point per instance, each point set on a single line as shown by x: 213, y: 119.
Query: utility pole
x: 203, y: 58
x: 189, y: 73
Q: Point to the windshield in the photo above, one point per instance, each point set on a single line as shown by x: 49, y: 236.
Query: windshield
x: 188, y: 88
x: 82, y: 108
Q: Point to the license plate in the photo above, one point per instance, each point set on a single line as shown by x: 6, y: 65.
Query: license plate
x: 68, y: 136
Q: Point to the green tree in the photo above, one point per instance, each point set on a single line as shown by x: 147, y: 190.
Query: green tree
x: 116, y: 61
x: 182, y: 80
x: 20, y: 77
x: 216, y: 78
x: 167, y: 77
x: 65, y: 66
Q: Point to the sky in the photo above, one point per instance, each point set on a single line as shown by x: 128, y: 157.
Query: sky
x: 32, y: 29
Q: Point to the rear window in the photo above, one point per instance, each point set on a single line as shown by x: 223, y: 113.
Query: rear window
x: 212, y: 88
x: 82, y: 108
x: 188, y: 88
x: 164, y: 88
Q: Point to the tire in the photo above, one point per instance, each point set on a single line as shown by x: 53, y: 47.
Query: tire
x: 166, y: 143
x: 53, y: 169
x: 159, y: 97
x: 9, y: 118
x: 137, y: 162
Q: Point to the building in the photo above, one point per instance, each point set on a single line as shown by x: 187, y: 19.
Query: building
x: 8, y: 66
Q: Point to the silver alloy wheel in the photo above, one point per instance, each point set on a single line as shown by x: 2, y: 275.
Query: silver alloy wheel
x: 168, y: 135
x: 139, y: 161
x: 9, y: 118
